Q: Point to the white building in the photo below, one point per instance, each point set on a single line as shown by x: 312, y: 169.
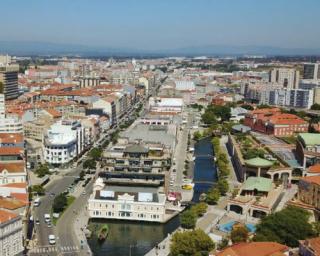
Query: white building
x: 11, y: 234
x: 8, y: 124
x: 287, y: 77
x: 185, y: 85
x: 165, y: 105
x: 238, y: 114
x: 12, y: 172
x: 63, y: 141
x: 126, y: 203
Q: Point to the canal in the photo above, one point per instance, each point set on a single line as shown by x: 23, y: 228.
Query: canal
x: 137, y: 238
x: 205, y: 172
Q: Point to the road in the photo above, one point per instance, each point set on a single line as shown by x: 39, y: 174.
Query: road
x: 57, y: 186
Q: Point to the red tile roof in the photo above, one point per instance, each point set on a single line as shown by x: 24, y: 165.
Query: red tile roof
x: 314, y: 244
x: 15, y: 185
x: 314, y: 168
x: 312, y: 179
x: 6, y: 216
x: 254, y: 249
x: 9, y: 151
x: 12, y: 167
x: 11, y: 138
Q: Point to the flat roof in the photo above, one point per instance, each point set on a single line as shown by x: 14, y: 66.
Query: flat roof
x: 258, y: 183
x: 310, y: 138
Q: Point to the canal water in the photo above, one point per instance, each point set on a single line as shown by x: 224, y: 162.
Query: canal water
x: 205, y: 172
x: 137, y: 238
x: 125, y: 236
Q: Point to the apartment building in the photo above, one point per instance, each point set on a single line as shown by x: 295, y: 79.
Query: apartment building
x: 11, y: 234
x: 138, y: 158
x: 287, y: 77
x: 311, y: 71
x: 135, y: 203
x: 63, y: 141
x: 309, y: 191
x: 9, y: 80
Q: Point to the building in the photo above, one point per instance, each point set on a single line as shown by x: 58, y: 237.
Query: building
x: 9, y: 80
x: 311, y: 71
x: 165, y: 105
x: 254, y: 249
x: 308, y: 149
x: 138, y: 158
x: 136, y: 203
x: 2, y: 107
x: 36, y: 129
x: 272, y: 121
x: 287, y: 77
x: 309, y: 247
x: 309, y: 192
x: 11, y: 234
x: 63, y: 141
x: 238, y: 114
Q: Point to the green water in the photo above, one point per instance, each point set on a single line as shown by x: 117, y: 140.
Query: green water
x: 139, y: 237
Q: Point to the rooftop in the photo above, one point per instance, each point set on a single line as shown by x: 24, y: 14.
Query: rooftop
x: 257, y: 183
x: 6, y: 216
x: 254, y: 249
x: 311, y: 179
x: 310, y: 139
x: 259, y: 162
x: 314, y: 168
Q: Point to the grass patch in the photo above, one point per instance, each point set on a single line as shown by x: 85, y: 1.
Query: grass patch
x: 70, y: 200
x: 289, y: 140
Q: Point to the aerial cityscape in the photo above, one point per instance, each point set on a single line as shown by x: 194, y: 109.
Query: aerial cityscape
x: 160, y: 128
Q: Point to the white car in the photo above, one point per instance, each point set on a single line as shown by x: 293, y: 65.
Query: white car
x: 52, y: 239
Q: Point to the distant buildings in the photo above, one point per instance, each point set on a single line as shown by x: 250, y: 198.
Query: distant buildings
x: 9, y: 78
x: 311, y: 71
x: 272, y: 121
x: 165, y: 105
x: 287, y: 77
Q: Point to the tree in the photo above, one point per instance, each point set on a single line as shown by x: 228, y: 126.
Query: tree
x: 190, y: 243
x: 247, y: 107
x: 223, y: 243
x: 1, y: 87
x: 223, y: 186
x: 213, y: 196
x: 209, y: 118
x: 59, y: 203
x: 96, y: 153
x: 315, y: 106
x: 89, y: 164
x: 287, y: 226
x: 42, y: 170
x: 38, y: 189
x: 82, y: 174
x: 199, y: 209
x: 188, y: 219
x: 197, y: 135
x: 239, y: 234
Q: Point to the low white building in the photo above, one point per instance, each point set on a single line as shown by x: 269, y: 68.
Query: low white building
x: 11, y: 234
x: 126, y: 203
x: 165, y: 105
x: 12, y: 172
x: 238, y: 114
x: 63, y: 141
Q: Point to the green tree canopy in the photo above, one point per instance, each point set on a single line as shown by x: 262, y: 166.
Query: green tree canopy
x: 89, y: 164
x: 197, y: 135
x: 239, y: 234
x: 95, y: 153
x: 213, y: 196
x: 38, y: 189
x: 199, y: 209
x: 42, y: 170
x: 286, y: 227
x: 191, y: 243
x: 59, y: 203
x: 315, y: 106
x: 188, y: 219
x: 247, y: 107
x: 223, y: 186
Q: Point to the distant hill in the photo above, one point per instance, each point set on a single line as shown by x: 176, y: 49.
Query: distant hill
x: 43, y: 48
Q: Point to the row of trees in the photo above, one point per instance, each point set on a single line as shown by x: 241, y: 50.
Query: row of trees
x: 94, y: 156
x: 188, y: 218
x: 213, y: 114
x: 42, y: 170
x: 222, y: 163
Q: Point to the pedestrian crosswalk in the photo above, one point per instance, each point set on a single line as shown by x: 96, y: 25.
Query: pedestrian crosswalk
x: 53, y: 249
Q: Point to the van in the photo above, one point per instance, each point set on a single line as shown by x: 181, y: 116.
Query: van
x: 36, y: 202
x: 47, y: 218
x: 52, y: 239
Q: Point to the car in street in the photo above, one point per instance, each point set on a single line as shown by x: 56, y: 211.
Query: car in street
x: 52, y: 239
x: 84, y: 192
x: 47, y: 217
x: 37, y: 222
x: 52, y: 194
x: 49, y: 225
x: 174, y: 170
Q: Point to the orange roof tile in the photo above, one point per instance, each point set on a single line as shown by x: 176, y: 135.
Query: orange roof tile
x: 312, y: 179
x: 11, y: 204
x: 314, y: 243
x: 6, y: 151
x: 6, y: 216
x: 15, y: 185
x: 54, y: 113
x: 12, y: 167
x: 254, y: 249
x: 314, y: 168
x: 11, y: 138
x: 23, y: 197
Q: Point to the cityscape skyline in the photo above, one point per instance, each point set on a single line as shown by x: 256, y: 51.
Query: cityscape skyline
x: 166, y: 25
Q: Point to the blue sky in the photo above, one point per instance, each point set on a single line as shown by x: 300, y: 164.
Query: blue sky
x: 163, y: 24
